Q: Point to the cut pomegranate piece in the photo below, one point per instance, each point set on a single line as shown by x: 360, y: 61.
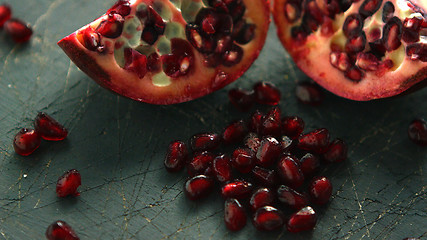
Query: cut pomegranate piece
x: 190, y: 51
x: 336, y: 53
x: 290, y: 172
x: 267, y: 93
x: 291, y: 197
x: 260, y: 198
x: 198, y: 187
x: 238, y: 189
x: 200, y: 162
x: 243, y: 160
x: 242, y: 99
x: 205, y: 141
x: 234, y: 215
x: 265, y: 177
x: 235, y: 132
x: 49, y: 128
x: 303, y: 220
x: 292, y: 126
x: 316, y: 141
x: 221, y: 168
x: 60, y: 230
x: 337, y: 151
x: 417, y: 131
x: 5, y: 13
x: 176, y: 156
x: 26, y: 141
x: 68, y: 183
x: 268, y: 219
x: 268, y: 151
x: 18, y: 30
x: 320, y: 190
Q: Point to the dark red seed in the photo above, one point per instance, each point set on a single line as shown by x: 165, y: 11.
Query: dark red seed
x: 369, y: 7
x: 303, y: 220
x: 320, y: 190
x: 5, y: 13
x: 417, y: 51
x: 255, y: 122
x: 198, y: 187
x: 309, y: 164
x: 267, y: 93
x: 221, y: 168
x: 392, y: 34
x: 121, y: 7
x: 242, y: 99
x: 238, y: 189
x: 234, y: 215
x: 353, y: 25
x: 309, y: 93
x: 49, y: 128
x: 245, y: 33
x: 180, y: 62
x: 340, y: 60
x: 112, y: 27
x: 201, y: 43
x: 243, y: 160
x: 26, y: 141
x: 310, y: 23
x: 205, y: 141
x: 260, y: 198
x: 271, y: 123
x: 176, y: 156
x: 367, y: 61
x: 223, y: 44
x: 316, y: 141
x: 200, y: 162
x: 291, y: 197
x: 299, y: 34
x: 411, y: 29
x: 354, y: 74
x: 68, y: 183
x: 92, y: 40
x: 60, y: 230
x: 287, y: 144
x: 292, y: 10
x: 252, y: 141
x: 232, y: 56
x: 235, y: 132
x: 18, y: 30
x: 313, y: 11
x: 153, y: 63
x: 388, y: 11
x: 377, y: 48
x: 268, y: 151
x: 209, y: 171
x: 149, y: 35
x: 290, y: 172
x: 135, y: 62
x: 410, y: 238
x: 265, y: 177
x: 337, y: 151
x: 356, y: 43
x: 417, y: 131
x: 292, y: 126
x: 268, y: 219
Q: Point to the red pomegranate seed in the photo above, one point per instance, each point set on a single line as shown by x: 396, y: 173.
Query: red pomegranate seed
x: 26, y: 141
x: 242, y: 99
x: 243, y: 160
x: 221, y: 168
x: 260, y: 198
x: 337, y: 151
x: 200, y: 162
x: 268, y: 151
x: 176, y: 156
x: 290, y: 172
x: 235, y: 132
x: 287, y: 144
x: 68, y: 183
x: 320, y: 190
x: 309, y: 164
x: 303, y: 220
x: 60, y: 230
x: 388, y: 11
x: 309, y: 93
x: 265, y: 177
x: 292, y: 126
x: 112, y: 27
x: 238, y: 189
x: 270, y: 123
x: 5, y: 13
x: 268, y: 219
x: 49, y: 128
x: 291, y: 197
x: 121, y: 7
x: 316, y: 141
x: 267, y: 93
x: 417, y: 131
x: 198, y: 187
x: 392, y: 34
x: 234, y: 215
x: 252, y: 141
x: 205, y: 141
x: 18, y: 30
x: 255, y: 121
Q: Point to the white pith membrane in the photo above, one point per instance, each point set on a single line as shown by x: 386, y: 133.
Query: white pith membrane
x: 313, y: 56
x: 157, y: 87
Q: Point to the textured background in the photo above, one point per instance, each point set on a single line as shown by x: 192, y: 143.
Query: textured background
x: 118, y: 146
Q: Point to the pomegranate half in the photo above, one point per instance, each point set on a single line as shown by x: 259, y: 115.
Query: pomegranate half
x: 357, y: 49
x: 165, y: 52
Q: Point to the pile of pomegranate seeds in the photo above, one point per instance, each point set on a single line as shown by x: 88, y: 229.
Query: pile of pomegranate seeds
x: 263, y: 93
x: 19, y: 31
x: 60, y: 230
x: 265, y: 168
x: 26, y: 141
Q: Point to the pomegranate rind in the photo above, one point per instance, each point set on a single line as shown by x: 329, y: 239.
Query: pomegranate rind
x: 312, y: 58
x: 104, y: 70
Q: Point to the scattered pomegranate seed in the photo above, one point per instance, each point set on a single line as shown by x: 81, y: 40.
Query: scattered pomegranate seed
x: 265, y: 177
x: 287, y: 144
x: 303, y: 220
x: 205, y: 141
x: 176, y: 156
x: 292, y: 126
x: 26, y: 141
x: 221, y: 168
x: 309, y: 164
x: 18, y: 30
x: 200, y: 162
x: 291, y: 197
x: 5, y: 13
x: 316, y: 141
x: 60, y: 230
x: 243, y: 160
x: 49, y: 128
x: 309, y: 93
x: 234, y: 215
x: 255, y: 122
x: 198, y: 187
x: 242, y: 99
x: 270, y: 123
x: 417, y: 131
x: 320, y: 190
x: 337, y: 151
x: 68, y: 183
x: 235, y: 132
x: 237, y: 189
x: 290, y: 172
x: 267, y: 93
x: 268, y: 151
x: 260, y: 198
x: 268, y: 219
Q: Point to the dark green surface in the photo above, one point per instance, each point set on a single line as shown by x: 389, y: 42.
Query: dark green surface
x: 118, y: 146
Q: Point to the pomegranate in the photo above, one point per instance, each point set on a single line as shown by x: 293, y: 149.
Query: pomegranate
x: 163, y: 53
x: 60, y: 230
x: 360, y: 50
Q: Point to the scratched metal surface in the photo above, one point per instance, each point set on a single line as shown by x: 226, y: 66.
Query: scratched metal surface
x: 118, y: 146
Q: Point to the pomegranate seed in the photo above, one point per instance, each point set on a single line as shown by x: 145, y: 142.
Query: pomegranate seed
x: 243, y: 160
x: 153, y: 63
x: 303, y: 220
x: 255, y: 122
x: 369, y: 7
x: 91, y: 40
x: 411, y: 29
x: 252, y: 141
x: 60, y: 230
x: 221, y: 168
x: 135, y: 62
x: 26, y: 141
x: 299, y: 34
x: 356, y: 43
x: 268, y: 219
x: 176, y: 156
x: 200, y: 162
x: 112, y: 27
x: 199, y: 41
x: 316, y: 141
x: 270, y: 123
x: 198, y: 187
x: 411, y: 238
x: 242, y: 99
x: 238, y: 189
x: 293, y: 10
x: 121, y: 7
x: 340, y: 60
x: 267, y: 93
x: 260, y: 198
x: 290, y: 172
x: 234, y: 215
x: 268, y: 151
x: 5, y: 13
x: 265, y: 177
x: 310, y: 164
x: 367, y: 61
x: 232, y: 56
x: 292, y: 126
x: 205, y: 141
x: 18, y: 30
x: 291, y: 197
x: 392, y: 34
x: 209, y: 172
x: 337, y: 151
x: 287, y: 144
x: 235, y: 132
x: 417, y: 131
x: 320, y: 190
x: 68, y: 183
x: 181, y: 60
x: 309, y: 93
x: 354, y: 74
x: 388, y: 11
x: 49, y: 128
x: 246, y: 33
